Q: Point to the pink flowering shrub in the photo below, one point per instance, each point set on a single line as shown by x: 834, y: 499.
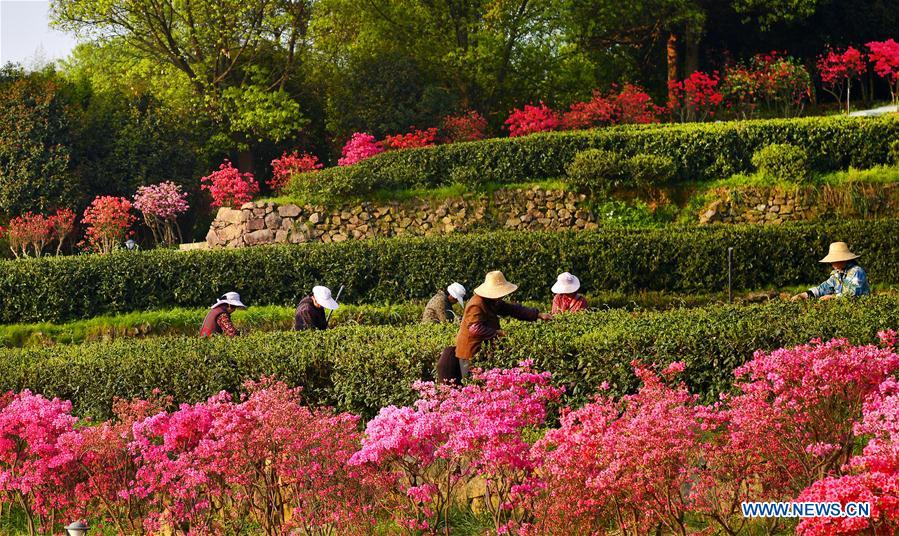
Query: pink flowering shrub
x: 416, y: 138
x: 454, y: 435
x: 161, y: 204
x: 229, y: 187
x: 359, y: 147
x: 531, y: 119
x: 108, y: 220
x: 36, y: 466
x: 885, y: 55
x: 696, y: 98
x: 470, y: 126
x: 289, y: 165
x: 613, y: 462
x: 838, y: 70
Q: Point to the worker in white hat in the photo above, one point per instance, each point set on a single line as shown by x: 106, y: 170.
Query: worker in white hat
x: 480, y: 322
x: 566, y: 299
x: 218, y: 319
x: 440, y: 307
x: 310, y: 312
x: 847, y: 280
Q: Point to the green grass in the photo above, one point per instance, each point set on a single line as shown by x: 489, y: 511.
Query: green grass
x: 874, y: 175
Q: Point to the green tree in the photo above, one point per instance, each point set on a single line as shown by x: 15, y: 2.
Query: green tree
x: 238, y: 56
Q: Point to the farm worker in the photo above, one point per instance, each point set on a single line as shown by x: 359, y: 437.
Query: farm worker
x: 218, y: 319
x: 566, y: 299
x: 480, y: 322
x: 440, y: 307
x: 311, y: 310
x: 847, y: 279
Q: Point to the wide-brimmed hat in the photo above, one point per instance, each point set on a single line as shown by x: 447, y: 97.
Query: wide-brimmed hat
x: 456, y: 290
x: 839, y: 252
x: 231, y: 298
x: 323, y: 297
x: 495, y: 286
x: 566, y: 284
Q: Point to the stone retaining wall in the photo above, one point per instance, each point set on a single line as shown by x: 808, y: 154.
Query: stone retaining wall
x: 269, y: 223
x: 778, y: 205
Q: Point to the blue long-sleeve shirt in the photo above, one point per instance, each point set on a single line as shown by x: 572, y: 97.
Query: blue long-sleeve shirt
x: 851, y: 282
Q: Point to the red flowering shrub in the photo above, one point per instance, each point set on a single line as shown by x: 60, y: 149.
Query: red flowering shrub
x: 28, y: 234
x: 289, y: 165
x: 108, y: 220
x: 229, y: 187
x: 531, y: 119
x: 599, y: 111
x: 452, y: 435
x: 779, y: 83
x: 470, y: 126
x: 358, y: 148
x: 635, y: 106
x: 885, y: 55
x: 62, y: 224
x: 416, y: 138
x: 611, y: 463
x: 838, y: 69
x: 696, y: 98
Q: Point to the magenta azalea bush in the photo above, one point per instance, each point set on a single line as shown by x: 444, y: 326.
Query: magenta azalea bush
x: 161, y: 204
x: 818, y: 422
x: 229, y: 187
x: 359, y: 147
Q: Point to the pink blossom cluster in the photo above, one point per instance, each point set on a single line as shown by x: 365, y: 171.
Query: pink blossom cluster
x: 289, y: 165
x: 165, y: 200
x: 107, y: 221
x: 229, y: 187
x: 454, y: 435
x: 532, y: 118
x: 359, y: 147
x: 885, y: 56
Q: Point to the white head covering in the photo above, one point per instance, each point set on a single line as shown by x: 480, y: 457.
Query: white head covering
x: 323, y: 297
x: 566, y: 284
x: 231, y: 298
x: 457, y: 291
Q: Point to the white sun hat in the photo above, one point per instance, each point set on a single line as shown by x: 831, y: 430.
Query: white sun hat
x: 456, y: 290
x: 323, y: 297
x: 566, y: 284
x: 839, y: 252
x: 231, y: 298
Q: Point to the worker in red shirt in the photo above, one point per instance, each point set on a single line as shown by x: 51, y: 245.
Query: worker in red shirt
x: 218, y: 319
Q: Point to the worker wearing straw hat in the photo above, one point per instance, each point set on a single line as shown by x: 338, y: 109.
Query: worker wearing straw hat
x: 218, y: 319
x: 566, y: 299
x: 480, y: 322
x: 847, y: 279
x: 440, y: 307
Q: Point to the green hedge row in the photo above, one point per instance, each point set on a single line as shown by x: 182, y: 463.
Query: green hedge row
x: 700, y: 151
x: 687, y: 259
x: 361, y: 369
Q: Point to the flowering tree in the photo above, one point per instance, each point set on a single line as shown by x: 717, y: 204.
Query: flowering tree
x: 359, y: 147
x: 885, y: 55
x: 531, y: 119
x: 62, y: 224
x: 161, y: 204
x: 289, y: 165
x: 229, y: 187
x: 838, y: 69
x: 36, y: 467
x: 612, y: 464
x: 452, y: 435
x: 28, y: 234
x: 597, y: 112
x: 108, y: 220
x: 415, y: 138
x: 784, y: 82
x: 470, y: 126
x: 695, y: 98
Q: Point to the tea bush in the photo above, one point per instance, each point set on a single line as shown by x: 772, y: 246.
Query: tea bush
x: 783, y: 161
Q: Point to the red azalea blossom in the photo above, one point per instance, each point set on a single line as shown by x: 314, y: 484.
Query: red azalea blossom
x: 289, y: 165
x: 108, y: 220
x: 229, y: 187
x: 885, y: 55
x: 531, y: 119
x: 470, y: 126
x: 415, y: 138
x: 695, y: 98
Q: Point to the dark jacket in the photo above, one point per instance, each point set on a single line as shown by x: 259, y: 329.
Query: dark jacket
x: 438, y: 309
x: 308, y: 316
x: 481, y: 322
x: 448, y: 370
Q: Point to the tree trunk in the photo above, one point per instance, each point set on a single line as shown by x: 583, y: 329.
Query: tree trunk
x: 672, y: 65
x: 691, y: 58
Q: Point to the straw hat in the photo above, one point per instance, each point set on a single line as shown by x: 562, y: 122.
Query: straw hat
x: 566, y: 284
x: 231, y: 298
x: 323, y: 297
x: 839, y: 252
x: 495, y: 286
x: 456, y: 290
